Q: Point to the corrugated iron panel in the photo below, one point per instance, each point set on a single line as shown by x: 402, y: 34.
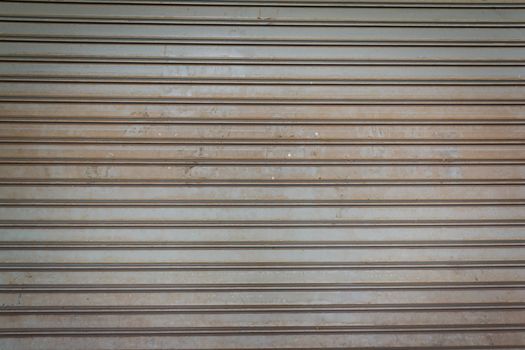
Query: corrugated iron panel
x: 240, y: 174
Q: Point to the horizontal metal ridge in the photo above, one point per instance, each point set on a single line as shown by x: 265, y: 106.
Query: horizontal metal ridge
x: 230, y: 182
x: 266, y: 223
x: 6, y: 202
x: 260, y: 61
x: 258, y: 308
x: 259, y: 22
x: 258, y: 330
x: 256, y: 287
x: 259, y: 141
x: 255, y: 41
x: 221, y: 245
x: 459, y: 347
x: 439, y: 347
x: 44, y: 119
x: 258, y: 101
x: 270, y: 265
x: 252, y: 81
x: 256, y: 162
x: 303, y: 3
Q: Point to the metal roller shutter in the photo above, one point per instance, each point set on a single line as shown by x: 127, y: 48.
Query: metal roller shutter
x: 241, y: 174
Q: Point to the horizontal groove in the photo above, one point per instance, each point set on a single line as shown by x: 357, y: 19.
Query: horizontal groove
x: 258, y: 330
x: 261, y: 101
x: 258, y: 308
x: 275, y: 121
x: 259, y: 22
x: 254, y: 81
x: 265, y: 223
x: 254, y: 41
x: 261, y: 162
x: 459, y: 347
x: 304, y: 3
x: 257, y: 287
x: 260, y: 61
x: 266, y: 266
x: 230, y: 183
x: 258, y: 141
x: 221, y: 245
x: 5, y: 202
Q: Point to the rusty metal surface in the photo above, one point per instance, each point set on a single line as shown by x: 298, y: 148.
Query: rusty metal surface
x: 240, y: 174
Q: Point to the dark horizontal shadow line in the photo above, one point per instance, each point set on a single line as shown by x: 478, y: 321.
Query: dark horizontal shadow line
x: 261, y: 61
x: 460, y: 347
x: 229, y: 182
x: 260, y: 330
x: 259, y: 81
x: 260, y: 223
x: 260, y: 308
x: 335, y: 4
x: 268, y: 186
x: 265, y: 266
x: 262, y: 101
x: 255, y: 162
x: 258, y: 42
x: 256, y: 203
x: 224, y: 21
x: 261, y: 121
x: 222, y: 245
x: 257, y: 287
x: 260, y: 141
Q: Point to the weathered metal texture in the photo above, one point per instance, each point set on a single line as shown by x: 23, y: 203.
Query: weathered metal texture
x: 243, y: 174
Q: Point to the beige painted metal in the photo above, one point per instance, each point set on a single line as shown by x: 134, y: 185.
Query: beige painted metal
x: 246, y: 174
